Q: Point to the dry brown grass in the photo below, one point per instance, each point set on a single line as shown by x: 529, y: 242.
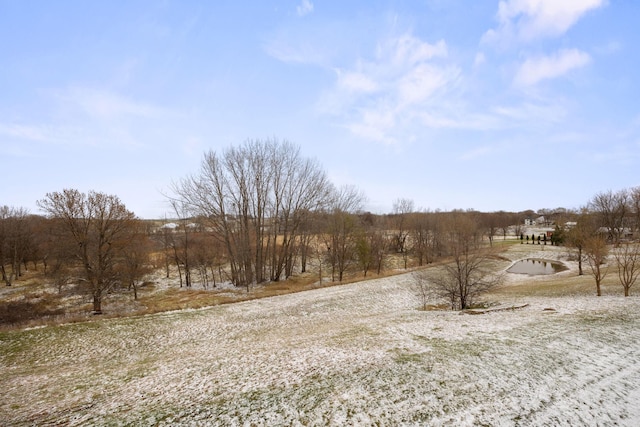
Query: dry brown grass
x: 65, y: 308
x: 183, y: 298
x: 563, y: 284
x: 47, y: 306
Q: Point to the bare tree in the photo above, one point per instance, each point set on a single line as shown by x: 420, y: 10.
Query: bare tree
x: 254, y: 198
x: 135, y: 262
x: 378, y: 244
x: 300, y: 187
x: 310, y: 227
x: 420, y: 233
x: 364, y: 252
x: 165, y: 239
x: 180, y: 242
x: 212, y: 194
x: 402, y: 210
x: 491, y: 224
x: 56, y: 251
x: 422, y: 288
x: 596, y: 251
x: 426, y: 235
x: 342, y: 228
x: 32, y: 251
x: 15, y: 238
x: 518, y: 224
x: 505, y: 222
x: 611, y: 210
x: 634, y: 206
x: 100, y: 227
x: 469, y: 275
x: 578, y: 236
x: 627, y: 257
x: 370, y: 247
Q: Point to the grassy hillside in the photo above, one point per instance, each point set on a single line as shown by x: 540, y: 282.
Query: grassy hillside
x: 360, y: 354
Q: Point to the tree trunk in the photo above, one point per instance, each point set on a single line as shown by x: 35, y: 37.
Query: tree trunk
x: 580, y: 262
x: 179, y: 272
x: 135, y: 290
x: 97, y: 302
x: 7, y: 279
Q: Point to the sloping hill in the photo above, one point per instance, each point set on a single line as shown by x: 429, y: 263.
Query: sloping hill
x: 359, y: 354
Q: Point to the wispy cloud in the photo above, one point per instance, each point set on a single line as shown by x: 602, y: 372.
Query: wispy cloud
x: 290, y: 47
x: 356, y: 82
x: 479, y: 59
x: 540, y: 112
x: 527, y: 20
x: 405, y: 85
x: 534, y: 70
x: 43, y: 132
x: 106, y: 104
x: 23, y: 132
x: 408, y: 50
x: 85, y: 116
x: 381, y: 94
x: 374, y: 126
x: 304, y: 8
x: 475, y: 153
x: 421, y: 82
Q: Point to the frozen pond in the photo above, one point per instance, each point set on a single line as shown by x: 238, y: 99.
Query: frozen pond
x: 536, y: 267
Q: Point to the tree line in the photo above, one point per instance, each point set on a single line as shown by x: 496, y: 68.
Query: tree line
x: 261, y: 212
x: 604, y: 234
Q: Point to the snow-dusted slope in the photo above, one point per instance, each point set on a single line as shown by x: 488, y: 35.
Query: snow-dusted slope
x: 353, y: 355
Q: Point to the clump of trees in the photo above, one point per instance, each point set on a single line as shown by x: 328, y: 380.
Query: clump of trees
x: 99, y: 235
x: 16, y: 242
x: 88, y: 243
x: 256, y: 199
x: 261, y: 212
x: 608, y: 226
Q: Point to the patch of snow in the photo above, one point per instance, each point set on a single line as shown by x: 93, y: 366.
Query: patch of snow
x: 359, y: 354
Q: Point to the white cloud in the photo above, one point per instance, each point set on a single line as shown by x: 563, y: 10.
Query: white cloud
x: 527, y: 20
x: 105, y: 104
x: 23, y: 132
x: 356, y: 82
x: 475, y: 153
x: 538, y: 113
x: 421, y: 82
x: 381, y: 95
x: 479, y: 59
x: 460, y: 119
x: 84, y: 116
x: 58, y: 133
x: 375, y: 123
x: 408, y: 50
x: 293, y: 46
x: 304, y: 8
x: 534, y: 70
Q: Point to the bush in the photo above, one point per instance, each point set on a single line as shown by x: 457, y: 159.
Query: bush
x: 24, y: 310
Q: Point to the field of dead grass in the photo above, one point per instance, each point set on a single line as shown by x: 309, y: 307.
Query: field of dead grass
x: 32, y: 301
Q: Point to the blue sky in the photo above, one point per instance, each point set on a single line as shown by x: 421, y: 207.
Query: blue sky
x: 456, y: 104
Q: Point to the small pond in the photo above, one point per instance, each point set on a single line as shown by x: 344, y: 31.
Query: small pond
x: 536, y: 267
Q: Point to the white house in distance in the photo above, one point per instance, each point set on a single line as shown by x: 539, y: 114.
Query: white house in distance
x: 529, y: 222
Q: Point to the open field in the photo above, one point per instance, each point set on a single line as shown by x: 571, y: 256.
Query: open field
x: 359, y: 354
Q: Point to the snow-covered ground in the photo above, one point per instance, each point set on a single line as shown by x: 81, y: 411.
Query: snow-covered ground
x: 359, y: 354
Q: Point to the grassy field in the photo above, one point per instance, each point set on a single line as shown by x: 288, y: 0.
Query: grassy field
x: 358, y: 354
